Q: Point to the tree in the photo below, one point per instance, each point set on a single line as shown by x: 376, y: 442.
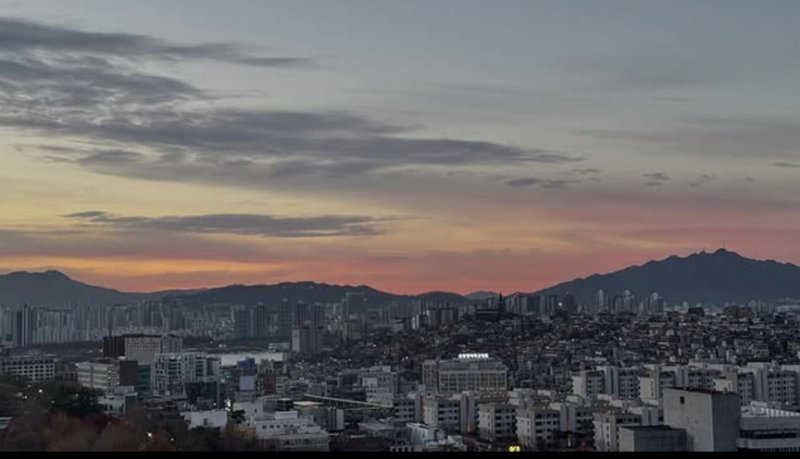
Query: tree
x: 117, y: 437
x: 71, y: 434
x: 202, y: 439
x: 79, y: 441
x: 27, y: 432
x: 18, y: 382
x: 171, y: 425
x: 237, y: 439
x: 159, y: 443
x: 137, y: 421
x: 10, y: 402
x: 77, y: 402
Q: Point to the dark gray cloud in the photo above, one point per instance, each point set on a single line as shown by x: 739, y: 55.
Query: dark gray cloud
x: 702, y: 179
x: 541, y: 183
x: 587, y: 174
x: 656, y: 178
x: 241, y: 224
x: 88, y: 86
x: 786, y: 165
x: 586, y: 171
x: 310, y: 141
x: 21, y: 35
x: 63, y: 84
x: 112, y: 157
x: 49, y: 79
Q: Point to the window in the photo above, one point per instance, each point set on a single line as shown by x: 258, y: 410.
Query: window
x: 683, y: 400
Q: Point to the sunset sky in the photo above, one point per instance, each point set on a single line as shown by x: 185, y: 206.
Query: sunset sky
x: 411, y: 145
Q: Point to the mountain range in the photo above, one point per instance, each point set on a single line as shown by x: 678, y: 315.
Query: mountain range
x: 54, y: 288
x: 481, y: 295
x: 309, y: 292
x: 718, y: 277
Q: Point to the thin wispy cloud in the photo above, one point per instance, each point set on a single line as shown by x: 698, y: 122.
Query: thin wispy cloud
x: 656, y: 178
x: 702, y: 180
x: 19, y: 35
x: 541, y: 183
x: 86, y: 85
x: 239, y: 224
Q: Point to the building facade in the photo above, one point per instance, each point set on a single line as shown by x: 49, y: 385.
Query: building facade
x: 34, y: 367
x: 711, y: 419
x: 497, y: 422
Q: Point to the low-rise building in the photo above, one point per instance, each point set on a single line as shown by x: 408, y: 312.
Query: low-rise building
x: 442, y: 412
x: 771, y: 383
x: 497, y: 422
x: 215, y: 419
x: 469, y: 372
x: 288, y: 431
x: 574, y: 417
x: 537, y: 427
x: 588, y: 383
x: 172, y: 372
x: 34, y: 367
x: 118, y: 402
x: 737, y: 382
x: 651, y: 439
x: 405, y: 409
x: 107, y: 374
x: 711, y: 419
x: 768, y: 429
x: 423, y: 434
x: 607, y: 426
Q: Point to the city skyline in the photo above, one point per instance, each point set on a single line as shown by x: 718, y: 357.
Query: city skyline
x: 408, y: 146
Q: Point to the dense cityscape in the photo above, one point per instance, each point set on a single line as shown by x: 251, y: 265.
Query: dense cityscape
x: 443, y: 226
x: 522, y: 372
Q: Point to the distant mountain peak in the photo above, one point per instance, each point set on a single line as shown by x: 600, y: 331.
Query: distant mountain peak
x: 50, y: 273
x: 709, y: 277
x: 54, y: 274
x: 481, y: 295
x: 52, y: 288
x: 719, y: 253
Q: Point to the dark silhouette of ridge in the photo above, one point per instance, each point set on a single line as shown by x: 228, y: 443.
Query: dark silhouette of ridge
x: 718, y: 277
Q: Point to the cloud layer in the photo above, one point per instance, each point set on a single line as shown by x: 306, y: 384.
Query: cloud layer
x: 656, y: 178
x: 88, y: 86
x: 18, y: 35
x: 239, y: 224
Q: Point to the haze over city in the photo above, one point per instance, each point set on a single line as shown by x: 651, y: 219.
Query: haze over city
x: 408, y: 145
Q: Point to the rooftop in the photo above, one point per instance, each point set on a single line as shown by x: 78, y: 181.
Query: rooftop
x: 649, y: 428
x: 761, y: 412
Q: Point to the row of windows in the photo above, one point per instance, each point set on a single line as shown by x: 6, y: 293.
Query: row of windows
x: 279, y: 427
x: 16, y: 363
